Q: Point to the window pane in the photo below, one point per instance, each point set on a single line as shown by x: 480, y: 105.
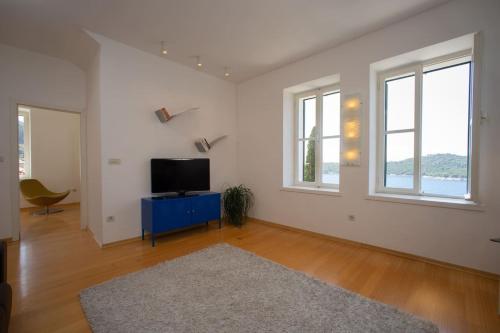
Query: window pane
x: 307, y: 161
x: 445, y: 130
x: 331, y: 154
x: 22, y: 166
x: 400, y: 103
x: 307, y: 117
x: 300, y: 161
x: 331, y: 114
x: 399, y: 160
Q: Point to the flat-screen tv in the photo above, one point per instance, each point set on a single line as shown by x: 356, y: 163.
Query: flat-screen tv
x: 180, y: 175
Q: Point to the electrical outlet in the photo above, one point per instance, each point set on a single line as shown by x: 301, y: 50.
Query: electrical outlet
x: 2, y: 159
x: 351, y: 218
x: 110, y: 219
x: 114, y: 161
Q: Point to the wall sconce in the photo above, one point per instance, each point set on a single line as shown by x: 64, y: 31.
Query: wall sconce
x: 351, y: 130
x: 351, y: 155
x: 352, y: 103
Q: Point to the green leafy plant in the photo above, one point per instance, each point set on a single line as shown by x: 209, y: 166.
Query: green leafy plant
x: 310, y: 165
x: 237, y: 201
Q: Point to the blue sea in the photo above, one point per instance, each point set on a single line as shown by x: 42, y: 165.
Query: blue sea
x: 430, y: 185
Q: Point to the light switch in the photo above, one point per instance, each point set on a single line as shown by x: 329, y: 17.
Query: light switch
x: 114, y: 161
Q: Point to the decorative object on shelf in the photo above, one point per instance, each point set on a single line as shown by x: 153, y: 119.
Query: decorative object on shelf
x: 496, y: 240
x: 237, y: 201
x: 351, y: 130
x: 203, y: 145
x: 165, y: 116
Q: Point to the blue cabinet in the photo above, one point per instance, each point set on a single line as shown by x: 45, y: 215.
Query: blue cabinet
x: 161, y: 214
x: 204, y: 208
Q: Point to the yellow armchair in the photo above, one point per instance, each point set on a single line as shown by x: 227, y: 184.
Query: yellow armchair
x: 35, y: 193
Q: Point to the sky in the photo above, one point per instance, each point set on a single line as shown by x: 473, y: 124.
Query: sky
x: 445, y: 108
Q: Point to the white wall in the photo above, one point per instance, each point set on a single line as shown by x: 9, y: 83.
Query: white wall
x: 55, y: 152
x: 126, y: 85
x: 94, y: 157
x: 451, y: 235
x: 134, y: 84
x: 35, y: 79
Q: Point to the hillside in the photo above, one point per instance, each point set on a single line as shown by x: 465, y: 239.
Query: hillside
x: 437, y: 165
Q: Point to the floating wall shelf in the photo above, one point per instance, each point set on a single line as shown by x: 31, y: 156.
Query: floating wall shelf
x: 164, y: 115
x: 203, y: 145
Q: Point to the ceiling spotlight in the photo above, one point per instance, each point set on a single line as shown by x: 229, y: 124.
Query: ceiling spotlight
x: 227, y: 72
x: 198, y: 62
x: 163, y: 49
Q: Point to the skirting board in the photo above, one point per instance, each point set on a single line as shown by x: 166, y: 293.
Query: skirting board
x: 122, y: 242
x: 93, y: 236
x: 487, y: 275
x: 8, y: 240
x: 31, y: 208
x: 147, y: 236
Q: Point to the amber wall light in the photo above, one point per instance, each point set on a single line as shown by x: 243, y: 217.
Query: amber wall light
x: 351, y: 130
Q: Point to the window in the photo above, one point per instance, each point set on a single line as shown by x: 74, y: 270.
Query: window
x: 318, y: 137
x: 425, y: 128
x: 23, y: 119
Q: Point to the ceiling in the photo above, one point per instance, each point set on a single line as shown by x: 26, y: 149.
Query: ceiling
x: 249, y: 36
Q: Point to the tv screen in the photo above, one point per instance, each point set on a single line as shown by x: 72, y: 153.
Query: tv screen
x: 180, y: 175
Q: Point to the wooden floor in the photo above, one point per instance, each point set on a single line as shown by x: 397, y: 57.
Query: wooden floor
x: 55, y: 260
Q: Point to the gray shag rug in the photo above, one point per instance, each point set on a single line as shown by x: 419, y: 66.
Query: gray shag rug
x: 226, y: 289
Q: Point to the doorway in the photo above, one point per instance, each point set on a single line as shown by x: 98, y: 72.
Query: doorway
x: 50, y: 158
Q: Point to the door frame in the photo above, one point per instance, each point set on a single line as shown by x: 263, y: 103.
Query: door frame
x: 14, y: 165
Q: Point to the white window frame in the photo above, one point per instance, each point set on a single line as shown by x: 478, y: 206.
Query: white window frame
x: 318, y: 93
x: 418, y: 70
x: 27, y: 141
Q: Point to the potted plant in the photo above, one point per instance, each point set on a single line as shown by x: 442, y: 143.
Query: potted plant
x: 237, y: 200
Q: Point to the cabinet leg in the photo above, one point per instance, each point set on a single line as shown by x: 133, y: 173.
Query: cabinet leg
x: 220, y: 223
x: 206, y: 223
x: 142, y: 234
x: 152, y: 239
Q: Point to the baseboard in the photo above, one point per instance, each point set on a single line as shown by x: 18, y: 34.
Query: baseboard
x: 9, y: 240
x: 147, y: 235
x: 487, y: 275
x: 87, y: 229
x: 122, y: 242
x: 27, y: 209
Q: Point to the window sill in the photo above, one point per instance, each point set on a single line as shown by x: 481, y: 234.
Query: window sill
x: 427, y: 201
x: 313, y: 190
